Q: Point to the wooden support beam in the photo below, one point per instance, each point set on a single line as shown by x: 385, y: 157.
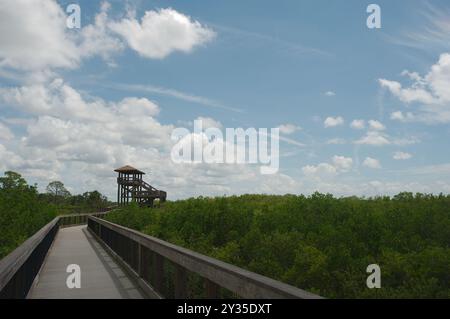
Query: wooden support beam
x: 158, y: 272
x: 180, y: 282
x: 211, y: 289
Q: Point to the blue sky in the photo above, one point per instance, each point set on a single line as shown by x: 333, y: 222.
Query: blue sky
x: 313, y: 66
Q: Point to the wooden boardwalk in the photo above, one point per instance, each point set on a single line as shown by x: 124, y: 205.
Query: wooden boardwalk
x: 38, y: 267
x: 101, y: 277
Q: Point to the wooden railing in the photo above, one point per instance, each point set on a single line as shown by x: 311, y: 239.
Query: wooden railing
x: 20, y: 267
x: 162, y: 269
x: 77, y: 219
x: 165, y: 270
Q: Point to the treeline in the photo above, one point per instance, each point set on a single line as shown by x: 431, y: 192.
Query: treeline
x: 23, y: 210
x: 318, y: 243
x: 88, y: 202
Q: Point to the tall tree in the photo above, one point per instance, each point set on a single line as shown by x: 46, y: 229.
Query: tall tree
x: 12, y: 180
x: 57, y: 189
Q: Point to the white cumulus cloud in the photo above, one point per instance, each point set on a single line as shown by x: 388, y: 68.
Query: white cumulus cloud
x: 137, y: 107
x: 5, y: 132
x: 376, y: 125
x: 339, y: 164
x: 289, y: 128
x: 358, y: 124
x: 321, y: 169
x: 97, y: 38
x: 33, y: 35
x: 371, y: 163
x: 333, y: 121
x: 208, y: 122
x: 431, y: 92
x: 402, y: 156
x: 342, y: 163
x: 161, y: 32
x: 402, y: 117
x: 374, y: 138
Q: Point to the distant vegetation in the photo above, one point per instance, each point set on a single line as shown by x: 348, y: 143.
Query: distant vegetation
x: 318, y: 243
x: 88, y: 202
x: 23, y: 211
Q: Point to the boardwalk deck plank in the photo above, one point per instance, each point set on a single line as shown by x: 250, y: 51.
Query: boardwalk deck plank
x: 101, y: 277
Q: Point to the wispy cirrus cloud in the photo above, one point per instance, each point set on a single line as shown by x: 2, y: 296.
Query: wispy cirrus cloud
x: 434, y: 33
x: 188, y: 97
x: 271, y: 40
x: 284, y: 139
x: 432, y: 170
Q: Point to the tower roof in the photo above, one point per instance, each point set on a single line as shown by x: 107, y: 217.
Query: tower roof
x: 127, y: 169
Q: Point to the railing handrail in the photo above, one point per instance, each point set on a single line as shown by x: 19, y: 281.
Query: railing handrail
x: 245, y: 283
x: 83, y: 214
x: 14, y: 260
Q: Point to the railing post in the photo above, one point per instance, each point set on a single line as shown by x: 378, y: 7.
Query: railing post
x: 211, y: 289
x: 139, y: 260
x: 158, y: 272
x: 180, y: 282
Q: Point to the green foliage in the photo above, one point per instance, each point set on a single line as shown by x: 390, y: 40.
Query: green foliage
x: 57, y: 190
x: 22, y: 213
x: 318, y: 243
x: 87, y: 202
x: 13, y: 181
x: 66, y: 203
